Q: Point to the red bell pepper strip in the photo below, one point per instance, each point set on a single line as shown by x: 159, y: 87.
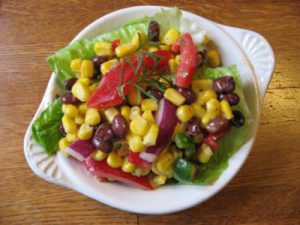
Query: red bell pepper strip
x: 101, y: 169
x: 107, y: 94
x: 211, y: 139
x: 115, y: 44
x: 175, y: 48
x: 134, y: 158
x: 188, y: 61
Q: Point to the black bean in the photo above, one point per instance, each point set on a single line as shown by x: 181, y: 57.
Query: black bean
x: 202, y: 58
x: 104, y: 146
x: 233, y: 99
x: 119, y: 126
x: 68, y: 84
x: 188, y: 94
x: 223, y: 85
x: 68, y: 98
x: 153, y: 31
x: 104, y: 132
x: 217, y: 124
x: 156, y: 93
x: 238, y: 119
x: 62, y: 130
x: 193, y: 127
x: 98, y: 60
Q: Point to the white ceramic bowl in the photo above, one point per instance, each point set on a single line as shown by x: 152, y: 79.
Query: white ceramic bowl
x: 255, y: 61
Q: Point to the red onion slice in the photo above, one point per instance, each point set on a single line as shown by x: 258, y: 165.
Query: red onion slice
x: 166, y: 119
x: 81, y: 149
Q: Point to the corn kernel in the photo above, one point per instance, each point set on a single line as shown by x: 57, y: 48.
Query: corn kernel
x: 93, y: 88
x: 82, y: 109
x: 70, y: 110
x: 148, y: 116
x: 129, y: 135
x: 125, y: 112
x: 177, y: 153
x: 206, y: 40
x: 213, y: 108
x: 139, y: 126
x: 184, y: 113
x: 171, y: 36
x: 134, y: 112
x: 177, y: 59
x: 85, y: 132
x: 81, y: 91
x: 180, y: 127
x: 149, y: 104
x: 204, y: 153
x: 159, y: 180
x: 134, y: 98
x: 128, y: 167
x: 174, y: 96
x: 213, y: 58
x: 87, y: 68
x: 204, y: 96
x: 114, y: 160
x: 201, y: 85
x: 164, y: 163
x: 124, y: 49
x: 123, y: 150
x: 99, y: 155
x: 198, y: 110
x: 79, y: 120
x: 136, y: 144
x: 226, y: 109
x: 103, y: 48
x: 172, y: 65
x: 153, y: 49
x: 71, y: 137
x: 69, y: 125
x: 84, y: 80
x: 140, y: 171
x: 165, y: 47
x: 108, y: 65
x: 164, y: 80
x: 63, y: 144
x: 110, y: 114
x: 151, y: 136
x: 75, y: 65
x: 138, y: 39
x: 205, y: 119
x: 154, y: 169
x: 92, y: 117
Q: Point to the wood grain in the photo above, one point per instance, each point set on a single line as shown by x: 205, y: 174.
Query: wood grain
x: 267, y: 189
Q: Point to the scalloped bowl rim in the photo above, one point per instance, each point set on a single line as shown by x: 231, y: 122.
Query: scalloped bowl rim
x: 153, y: 202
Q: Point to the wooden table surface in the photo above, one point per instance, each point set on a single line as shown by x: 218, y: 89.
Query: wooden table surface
x: 266, y: 190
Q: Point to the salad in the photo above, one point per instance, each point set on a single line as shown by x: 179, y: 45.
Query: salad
x: 146, y: 104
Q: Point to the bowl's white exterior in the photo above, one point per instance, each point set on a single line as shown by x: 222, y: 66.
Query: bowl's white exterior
x: 255, y: 60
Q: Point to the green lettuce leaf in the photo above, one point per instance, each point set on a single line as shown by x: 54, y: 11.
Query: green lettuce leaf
x: 60, y: 61
x: 45, y: 129
x: 229, y: 144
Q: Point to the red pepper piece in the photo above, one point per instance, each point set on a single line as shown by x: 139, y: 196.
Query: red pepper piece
x: 188, y: 61
x: 101, y: 169
x: 115, y: 44
x: 107, y: 94
x: 211, y: 139
x: 134, y: 158
x: 175, y: 48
